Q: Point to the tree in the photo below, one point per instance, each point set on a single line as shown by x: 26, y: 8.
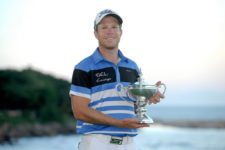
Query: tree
x: 36, y: 93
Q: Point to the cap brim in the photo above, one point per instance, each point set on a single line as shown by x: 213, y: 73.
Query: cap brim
x: 116, y: 16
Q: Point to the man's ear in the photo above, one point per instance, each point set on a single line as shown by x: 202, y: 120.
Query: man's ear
x: 96, y: 34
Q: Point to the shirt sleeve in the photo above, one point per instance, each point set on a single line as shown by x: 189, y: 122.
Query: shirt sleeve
x: 81, y: 84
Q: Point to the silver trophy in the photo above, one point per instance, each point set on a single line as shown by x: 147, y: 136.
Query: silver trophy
x: 140, y: 93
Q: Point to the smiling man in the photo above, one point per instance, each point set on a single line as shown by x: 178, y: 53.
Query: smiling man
x: 107, y: 120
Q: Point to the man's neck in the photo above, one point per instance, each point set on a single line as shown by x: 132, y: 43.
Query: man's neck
x: 110, y: 54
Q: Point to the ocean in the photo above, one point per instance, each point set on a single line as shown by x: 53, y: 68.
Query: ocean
x: 152, y: 138
x: 200, y: 113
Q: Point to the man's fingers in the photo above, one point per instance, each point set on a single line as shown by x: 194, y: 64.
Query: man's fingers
x: 158, y: 83
x: 155, y: 98
x: 135, y: 123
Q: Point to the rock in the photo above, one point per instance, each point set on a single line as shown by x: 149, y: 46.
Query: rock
x: 9, y: 133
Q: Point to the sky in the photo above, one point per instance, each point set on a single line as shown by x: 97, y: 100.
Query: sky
x: 180, y: 42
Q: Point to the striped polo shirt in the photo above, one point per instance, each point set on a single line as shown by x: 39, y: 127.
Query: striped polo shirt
x: 100, y: 81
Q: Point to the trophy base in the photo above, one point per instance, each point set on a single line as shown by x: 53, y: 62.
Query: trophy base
x: 147, y: 121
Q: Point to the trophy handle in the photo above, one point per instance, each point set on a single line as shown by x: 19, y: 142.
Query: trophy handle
x: 164, y: 90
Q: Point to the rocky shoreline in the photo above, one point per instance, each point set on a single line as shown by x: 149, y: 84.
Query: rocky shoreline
x: 9, y: 133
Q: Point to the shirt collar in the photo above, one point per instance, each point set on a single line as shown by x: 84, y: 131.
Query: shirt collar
x: 97, y: 56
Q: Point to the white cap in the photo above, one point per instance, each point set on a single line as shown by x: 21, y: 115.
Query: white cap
x: 104, y: 13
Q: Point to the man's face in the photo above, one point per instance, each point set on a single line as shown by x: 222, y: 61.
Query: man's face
x: 108, y: 33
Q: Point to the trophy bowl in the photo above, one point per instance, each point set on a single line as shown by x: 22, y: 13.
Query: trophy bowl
x: 146, y: 91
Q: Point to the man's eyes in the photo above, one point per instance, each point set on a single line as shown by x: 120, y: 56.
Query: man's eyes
x: 114, y: 27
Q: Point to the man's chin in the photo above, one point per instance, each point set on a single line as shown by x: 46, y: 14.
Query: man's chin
x: 110, y: 47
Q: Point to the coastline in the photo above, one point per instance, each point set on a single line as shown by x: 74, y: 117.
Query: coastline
x: 193, y: 123
x: 9, y: 133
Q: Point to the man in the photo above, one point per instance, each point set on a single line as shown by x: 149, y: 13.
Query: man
x: 103, y: 116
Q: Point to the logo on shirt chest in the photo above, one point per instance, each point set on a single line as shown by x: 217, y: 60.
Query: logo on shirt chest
x: 102, y: 77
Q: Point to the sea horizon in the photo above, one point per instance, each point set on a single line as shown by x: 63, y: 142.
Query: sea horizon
x: 194, y: 113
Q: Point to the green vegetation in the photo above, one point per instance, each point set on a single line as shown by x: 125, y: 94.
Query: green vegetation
x: 31, y: 96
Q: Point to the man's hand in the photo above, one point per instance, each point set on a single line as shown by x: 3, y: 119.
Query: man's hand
x: 157, y: 96
x: 132, y: 123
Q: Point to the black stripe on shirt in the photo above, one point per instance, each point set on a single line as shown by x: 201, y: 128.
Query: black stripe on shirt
x: 81, y: 78
x: 128, y: 74
x: 93, y: 77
